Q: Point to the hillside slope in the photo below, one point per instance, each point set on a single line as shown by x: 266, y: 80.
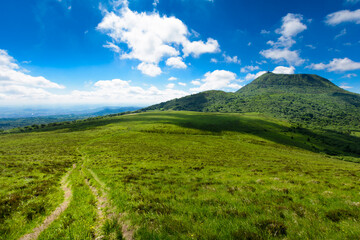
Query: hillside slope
x: 301, y: 98
x: 181, y: 175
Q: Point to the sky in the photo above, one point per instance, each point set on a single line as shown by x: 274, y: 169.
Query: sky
x: 141, y: 52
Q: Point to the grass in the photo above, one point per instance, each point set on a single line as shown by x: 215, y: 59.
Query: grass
x: 186, y: 175
x: 31, y: 168
x: 78, y: 220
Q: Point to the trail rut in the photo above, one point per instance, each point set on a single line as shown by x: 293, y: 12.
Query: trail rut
x: 56, y: 213
x: 105, y: 210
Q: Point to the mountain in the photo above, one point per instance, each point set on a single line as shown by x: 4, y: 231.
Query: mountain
x: 271, y: 83
x: 301, y: 98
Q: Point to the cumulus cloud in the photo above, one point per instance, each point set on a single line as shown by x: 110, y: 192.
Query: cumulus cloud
x: 17, y: 87
x: 229, y: 59
x: 277, y: 70
x: 251, y: 76
x: 119, y: 91
x: 337, y: 65
x: 350, y: 75
x: 284, y: 70
x: 196, y: 82
x: 149, y: 69
x: 182, y: 84
x: 155, y: 3
x: 7, y: 61
x: 197, y: 48
x: 112, y: 46
x: 218, y: 79
x: 291, y: 57
x: 170, y: 85
x: 176, y: 62
x: 291, y: 26
x: 150, y: 37
x: 14, y: 80
x: 345, y: 86
x: 249, y: 69
x: 17, y: 84
x: 343, y: 16
x: 172, y: 79
x: 115, y: 91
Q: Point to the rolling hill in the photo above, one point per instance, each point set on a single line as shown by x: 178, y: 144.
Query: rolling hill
x: 192, y: 175
x: 179, y: 175
x: 301, y: 98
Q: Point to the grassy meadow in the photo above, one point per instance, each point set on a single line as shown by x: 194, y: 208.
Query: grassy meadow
x: 183, y: 175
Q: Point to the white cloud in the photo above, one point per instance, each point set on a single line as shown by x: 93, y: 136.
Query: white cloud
x: 155, y: 3
x: 251, y: 76
x: 170, y: 85
x: 197, y: 48
x: 112, y: 46
x: 233, y: 59
x: 291, y: 26
x: 249, y: 69
x: 284, y: 70
x: 17, y: 87
x: 263, y: 31
x: 311, y: 46
x: 261, y: 62
x: 172, y: 79
x: 342, y: 33
x: 337, y: 65
x: 343, y: 16
x: 352, y: 1
x: 176, y: 62
x: 291, y: 57
x: 350, y: 75
x: 282, y: 42
x: 182, y: 84
x: 12, y: 75
x: 150, y: 37
x: 214, y: 60
x: 149, y: 69
x: 118, y: 91
x: 196, y: 82
x: 114, y: 91
x: 17, y: 84
x: 7, y: 61
x: 344, y: 86
x: 277, y: 70
x: 218, y: 79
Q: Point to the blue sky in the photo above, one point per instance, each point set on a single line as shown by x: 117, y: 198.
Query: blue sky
x: 140, y: 52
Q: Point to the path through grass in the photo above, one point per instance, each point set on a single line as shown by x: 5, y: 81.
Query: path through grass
x: 183, y: 175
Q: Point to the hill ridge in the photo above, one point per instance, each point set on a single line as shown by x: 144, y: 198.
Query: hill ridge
x: 302, y: 98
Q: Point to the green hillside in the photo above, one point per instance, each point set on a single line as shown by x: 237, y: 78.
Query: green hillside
x: 181, y: 175
x: 301, y: 98
x: 271, y: 83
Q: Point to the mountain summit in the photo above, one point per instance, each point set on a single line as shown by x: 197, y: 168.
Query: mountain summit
x: 280, y: 83
x: 301, y: 98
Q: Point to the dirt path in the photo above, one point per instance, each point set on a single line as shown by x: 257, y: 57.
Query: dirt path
x: 101, y: 205
x: 105, y: 210
x: 56, y: 213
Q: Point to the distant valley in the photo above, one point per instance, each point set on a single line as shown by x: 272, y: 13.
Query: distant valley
x: 21, y: 117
